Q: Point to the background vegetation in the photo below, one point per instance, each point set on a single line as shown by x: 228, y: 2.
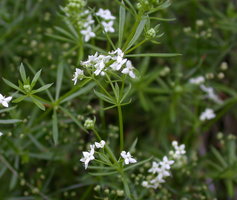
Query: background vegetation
x: 164, y: 106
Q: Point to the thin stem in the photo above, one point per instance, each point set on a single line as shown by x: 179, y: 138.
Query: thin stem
x: 136, y: 46
x: 96, y: 134
x: 102, y: 88
x: 120, y: 127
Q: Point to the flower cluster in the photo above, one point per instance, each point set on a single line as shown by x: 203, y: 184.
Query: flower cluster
x: 99, y: 64
x: 5, y: 100
x: 81, y: 18
x: 108, y: 19
x: 162, y: 169
x: 89, y: 155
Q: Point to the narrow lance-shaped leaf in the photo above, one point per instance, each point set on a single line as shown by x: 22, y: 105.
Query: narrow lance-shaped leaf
x: 122, y: 16
x: 59, y: 80
x: 45, y: 87
x: 37, y: 103
x: 162, y: 55
x: 23, y: 72
x: 10, y: 121
x: 19, y: 99
x: 55, y: 127
x: 35, y: 79
x: 137, y: 33
x: 12, y: 85
x: 104, y: 97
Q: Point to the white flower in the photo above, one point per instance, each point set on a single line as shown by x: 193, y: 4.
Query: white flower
x: 179, y: 150
x: 211, y: 94
x: 108, y: 27
x: 127, y: 157
x: 119, y: 61
x: 119, y: 56
x: 129, y: 69
x: 155, y: 168
x: 118, y: 65
x: 105, y: 14
x: 5, y: 100
x: 165, y: 163
x: 197, y: 81
x: 100, y: 144
x: 1, y: 134
x: 158, y: 180
x: 162, y: 172
x: 88, y: 33
x: 91, y: 59
x: 78, y: 74
x: 174, y: 144
x: 207, y: 115
x: 146, y: 184
x: 88, y: 156
x: 89, y: 21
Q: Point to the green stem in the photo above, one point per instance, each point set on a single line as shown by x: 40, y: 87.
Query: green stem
x: 120, y: 127
x: 96, y: 134
x: 136, y: 46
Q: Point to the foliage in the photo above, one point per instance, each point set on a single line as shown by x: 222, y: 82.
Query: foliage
x: 115, y: 89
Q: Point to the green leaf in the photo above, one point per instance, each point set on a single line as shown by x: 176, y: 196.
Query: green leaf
x: 104, y: 97
x: 7, y: 109
x: 77, y: 91
x: 35, y: 79
x: 105, y: 159
x: 19, y: 99
x: 23, y: 73
x: 132, y: 148
x: 137, y: 33
x: 37, y: 103
x: 64, y: 32
x: 14, y: 175
x: 219, y: 157
x: 10, y: 121
x: 162, y: 55
x: 126, y: 93
x: 61, y: 38
x: 55, y: 127
x: 103, y: 173
x: 163, y: 19
x: 12, y: 85
x: 117, y: 92
x: 59, y: 79
x: 45, y: 87
x: 71, y: 27
x: 122, y: 17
